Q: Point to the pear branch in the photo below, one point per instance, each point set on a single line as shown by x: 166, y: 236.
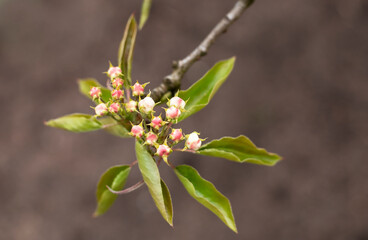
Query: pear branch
x: 171, y: 83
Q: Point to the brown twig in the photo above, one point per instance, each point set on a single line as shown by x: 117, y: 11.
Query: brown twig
x: 171, y: 83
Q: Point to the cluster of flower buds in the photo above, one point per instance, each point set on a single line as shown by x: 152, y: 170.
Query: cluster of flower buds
x: 138, y: 109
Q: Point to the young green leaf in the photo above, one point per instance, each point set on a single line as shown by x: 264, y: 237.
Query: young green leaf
x: 205, y: 193
x: 167, y: 201
x: 156, y: 187
x: 115, y: 178
x: 85, y: 86
x: 113, y: 127
x: 146, y: 6
x: 201, y: 92
x: 126, y: 48
x: 240, y: 149
x: 75, y: 122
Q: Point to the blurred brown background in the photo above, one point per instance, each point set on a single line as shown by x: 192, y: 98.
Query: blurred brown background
x: 299, y: 88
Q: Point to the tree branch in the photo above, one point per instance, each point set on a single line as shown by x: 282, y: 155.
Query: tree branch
x: 171, y: 83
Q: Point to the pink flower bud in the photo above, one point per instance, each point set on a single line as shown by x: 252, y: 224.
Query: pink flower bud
x: 114, y: 72
x: 176, y: 135
x: 95, y: 92
x: 151, y: 138
x: 177, y: 102
x: 131, y: 106
x: 117, y: 94
x: 101, y: 109
x: 156, y: 122
x: 172, y: 113
x: 137, y: 131
x: 117, y: 82
x: 138, y: 89
x: 146, y: 105
x: 114, y: 107
x: 193, y: 142
x: 163, y: 150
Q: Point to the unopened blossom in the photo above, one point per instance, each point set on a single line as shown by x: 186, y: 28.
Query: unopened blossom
x: 193, y: 142
x: 151, y: 138
x: 138, y: 89
x: 131, y: 106
x: 114, y: 72
x: 137, y: 131
x: 146, y: 105
x: 117, y: 82
x: 117, y: 94
x: 114, y: 108
x: 163, y: 151
x: 176, y: 135
x: 177, y: 102
x: 173, y: 113
x: 157, y: 122
x: 95, y: 92
x: 101, y: 109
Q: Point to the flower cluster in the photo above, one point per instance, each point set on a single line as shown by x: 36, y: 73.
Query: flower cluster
x: 134, y: 107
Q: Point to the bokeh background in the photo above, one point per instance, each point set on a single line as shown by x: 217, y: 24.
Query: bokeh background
x: 299, y: 88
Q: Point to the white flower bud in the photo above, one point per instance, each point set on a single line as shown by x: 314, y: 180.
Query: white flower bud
x: 193, y: 142
x: 146, y: 105
x: 101, y: 109
x: 177, y: 102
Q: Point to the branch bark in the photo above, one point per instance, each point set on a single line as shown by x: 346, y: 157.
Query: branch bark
x: 171, y: 83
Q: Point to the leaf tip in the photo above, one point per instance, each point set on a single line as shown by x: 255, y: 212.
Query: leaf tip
x: 95, y: 214
x: 235, y: 230
x: 49, y: 123
x: 141, y: 24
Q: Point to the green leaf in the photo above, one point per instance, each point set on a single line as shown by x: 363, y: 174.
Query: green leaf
x: 205, y: 193
x: 86, y: 84
x: 75, y: 122
x: 167, y: 201
x: 156, y: 187
x: 146, y: 6
x: 240, y: 149
x: 201, y: 92
x: 126, y: 48
x: 113, y: 127
x: 115, y: 178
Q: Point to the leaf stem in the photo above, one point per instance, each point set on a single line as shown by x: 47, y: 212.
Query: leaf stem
x: 109, y: 125
x: 133, y: 163
x: 183, y: 150
x: 127, y: 190
x: 128, y: 93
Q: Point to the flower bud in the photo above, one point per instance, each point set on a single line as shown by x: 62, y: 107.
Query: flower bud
x: 131, y: 106
x: 138, y: 90
x: 163, y: 151
x: 177, y: 102
x: 95, y: 92
x: 117, y: 94
x: 193, y: 142
x: 151, y: 138
x: 114, y: 108
x: 101, y: 109
x: 157, y: 122
x: 173, y: 113
x: 146, y: 105
x: 114, y: 72
x: 137, y: 131
x: 176, y: 135
x: 117, y: 82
